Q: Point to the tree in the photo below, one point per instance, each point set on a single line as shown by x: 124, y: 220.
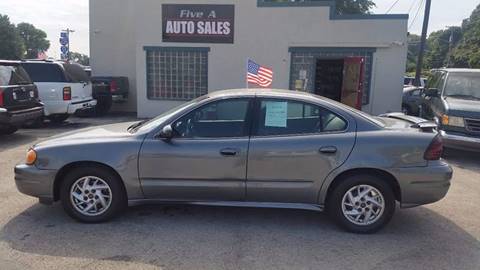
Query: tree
x: 354, y: 6
x: 35, y: 40
x: 342, y: 6
x: 412, y: 54
x: 467, y: 53
x: 80, y: 58
x: 439, y: 45
x: 11, y: 45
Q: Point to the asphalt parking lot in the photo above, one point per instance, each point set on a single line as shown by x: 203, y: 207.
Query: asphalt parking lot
x: 445, y: 235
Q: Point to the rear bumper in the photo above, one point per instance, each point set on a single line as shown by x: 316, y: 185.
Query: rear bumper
x: 423, y: 185
x: 35, y: 182
x: 81, y: 106
x: 17, y: 118
x: 461, y: 141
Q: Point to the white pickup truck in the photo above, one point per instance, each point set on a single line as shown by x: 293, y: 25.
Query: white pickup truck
x: 64, y: 88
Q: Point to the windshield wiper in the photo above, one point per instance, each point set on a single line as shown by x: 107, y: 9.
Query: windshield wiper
x: 135, y: 126
x: 463, y: 96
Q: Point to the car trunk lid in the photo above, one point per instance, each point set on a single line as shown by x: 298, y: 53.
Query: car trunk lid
x: 402, y: 121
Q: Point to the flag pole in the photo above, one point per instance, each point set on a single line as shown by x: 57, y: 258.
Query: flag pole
x: 246, y: 74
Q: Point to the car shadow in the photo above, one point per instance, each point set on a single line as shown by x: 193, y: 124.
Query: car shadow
x: 463, y: 159
x: 198, y: 237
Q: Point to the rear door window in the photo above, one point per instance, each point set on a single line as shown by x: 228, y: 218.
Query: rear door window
x: 76, y: 73
x: 44, y: 72
x: 13, y: 75
x: 288, y: 117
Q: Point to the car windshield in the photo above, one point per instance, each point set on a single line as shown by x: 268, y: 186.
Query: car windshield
x: 364, y: 115
x: 155, y: 122
x: 463, y: 85
x: 13, y: 75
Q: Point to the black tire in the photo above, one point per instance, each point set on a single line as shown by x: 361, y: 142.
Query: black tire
x: 406, y: 110
x: 104, y: 103
x: 58, y: 118
x: 118, y: 195
x: 37, y: 123
x: 8, y: 130
x: 334, y: 204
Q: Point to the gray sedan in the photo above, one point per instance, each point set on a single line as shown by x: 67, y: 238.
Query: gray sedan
x: 259, y: 148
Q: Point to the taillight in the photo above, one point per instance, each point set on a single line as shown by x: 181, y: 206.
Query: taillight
x: 1, y: 97
x: 67, y: 93
x: 113, y: 86
x: 435, y: 149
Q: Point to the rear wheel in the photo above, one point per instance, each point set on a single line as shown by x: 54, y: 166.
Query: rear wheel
x: 92, y: 194
x: 362, y: 203
x: 58, y: 118
x: 406, y: 110
x: 37, y: 123
x: 7, y: 130
x: 104, y: 103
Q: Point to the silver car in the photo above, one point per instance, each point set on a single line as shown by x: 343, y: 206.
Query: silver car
x: 261, y: 148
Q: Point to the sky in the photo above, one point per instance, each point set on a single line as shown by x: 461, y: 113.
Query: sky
x: 54, y: 16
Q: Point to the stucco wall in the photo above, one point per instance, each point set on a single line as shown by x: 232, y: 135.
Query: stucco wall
x: 263, y: 34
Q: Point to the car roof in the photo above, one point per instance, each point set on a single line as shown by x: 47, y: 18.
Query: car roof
x: 9, y: 62
x: 39, y: 61
x: 458, y: 70
x: 264, y: 93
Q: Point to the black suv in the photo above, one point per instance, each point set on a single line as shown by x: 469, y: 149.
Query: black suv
x: 452, y: 99
x: 19, y: 103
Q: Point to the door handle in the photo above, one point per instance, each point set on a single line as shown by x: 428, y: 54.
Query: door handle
x: 328, y: 150
x: 229, y: 152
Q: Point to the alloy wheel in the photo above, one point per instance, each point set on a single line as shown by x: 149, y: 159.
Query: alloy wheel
x: 91, y: 196
x: 363, y: 205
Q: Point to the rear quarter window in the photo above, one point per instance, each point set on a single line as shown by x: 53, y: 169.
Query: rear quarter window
x: 13, y: 75
x: 44, y: 72
x: 76, y: 73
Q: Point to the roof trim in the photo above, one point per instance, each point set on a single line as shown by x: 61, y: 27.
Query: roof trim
x: 331, y: 49
x: 333, y: 14
x: 176, y: 48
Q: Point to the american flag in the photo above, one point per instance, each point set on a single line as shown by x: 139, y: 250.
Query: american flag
x: 259, y: 75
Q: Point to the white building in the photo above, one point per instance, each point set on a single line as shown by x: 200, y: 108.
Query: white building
x: 173, y: 51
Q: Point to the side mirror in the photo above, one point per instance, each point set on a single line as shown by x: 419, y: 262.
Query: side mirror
x: 166, y: 133
x: 432, y: 92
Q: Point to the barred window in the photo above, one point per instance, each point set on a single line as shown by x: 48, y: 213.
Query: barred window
x: 177, y: 73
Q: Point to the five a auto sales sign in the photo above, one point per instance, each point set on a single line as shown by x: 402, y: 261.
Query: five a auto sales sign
x: 198, y: 23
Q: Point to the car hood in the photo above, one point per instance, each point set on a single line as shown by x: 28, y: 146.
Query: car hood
x: 463, y: 107
x: 98, y: 133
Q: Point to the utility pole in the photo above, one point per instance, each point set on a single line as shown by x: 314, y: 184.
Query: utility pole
x: 423, y: 41
x: 68, y: 31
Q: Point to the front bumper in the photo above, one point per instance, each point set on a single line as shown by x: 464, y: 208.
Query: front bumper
x: 461, y: 141
x: 18, y: 118
x: 35, y: 182
x: 81, y: 105
x: 423, y: 185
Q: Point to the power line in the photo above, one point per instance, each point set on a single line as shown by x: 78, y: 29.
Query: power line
x: 393, y: 5
x: 411, y: 6
x: 416, y: 15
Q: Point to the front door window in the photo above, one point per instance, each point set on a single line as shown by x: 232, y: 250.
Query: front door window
x: 220, y: 119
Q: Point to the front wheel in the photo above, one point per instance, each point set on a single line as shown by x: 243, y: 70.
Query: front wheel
x: 362, y: 203
x: 58, y: 118
x: 92, y: 194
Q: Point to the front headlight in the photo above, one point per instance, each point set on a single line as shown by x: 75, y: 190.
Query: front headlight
x: 453, y: 121
x: 31, y: 157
